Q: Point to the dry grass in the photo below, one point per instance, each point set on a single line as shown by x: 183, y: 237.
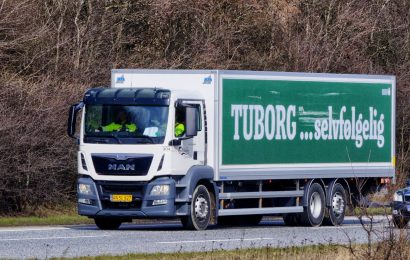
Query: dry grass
x: 326, y: 252
x: 307, y: 253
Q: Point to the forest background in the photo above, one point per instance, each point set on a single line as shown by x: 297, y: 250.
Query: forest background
x: 51, y: 51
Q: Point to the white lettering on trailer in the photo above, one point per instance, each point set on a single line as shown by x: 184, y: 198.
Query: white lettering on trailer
x: 259, y: 122
x: 278, y: 123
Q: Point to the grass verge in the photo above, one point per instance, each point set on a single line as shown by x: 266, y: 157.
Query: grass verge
x: 306, y: 252
x: 41, y: 221
x: 58, y: 215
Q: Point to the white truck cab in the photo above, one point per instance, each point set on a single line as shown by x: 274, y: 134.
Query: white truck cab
x: 129, y: 173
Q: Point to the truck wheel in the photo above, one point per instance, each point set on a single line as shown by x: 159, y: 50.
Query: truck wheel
x: 314, y: 212
x: 400, y: 222
x: 107, y: 223
x: 337, y: 208
x: 200, y: 214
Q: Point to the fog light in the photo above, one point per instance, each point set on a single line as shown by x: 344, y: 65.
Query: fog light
x: 160, y: 190
x: 85, y: 201
x: 85, y: 189
x: 159, y: 202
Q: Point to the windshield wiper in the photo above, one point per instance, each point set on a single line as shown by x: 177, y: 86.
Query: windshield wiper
x: 116, y: 138
x: 146, y: 137
x: 103, y: 138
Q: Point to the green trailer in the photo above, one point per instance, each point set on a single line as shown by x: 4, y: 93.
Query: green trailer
x: 281, y: 126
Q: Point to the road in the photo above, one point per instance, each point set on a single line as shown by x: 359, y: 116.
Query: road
x: 85, y: 240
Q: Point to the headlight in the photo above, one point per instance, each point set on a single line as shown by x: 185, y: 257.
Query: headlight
x: 85, y: 189
x: 160, y: 190
x: 398, y: 197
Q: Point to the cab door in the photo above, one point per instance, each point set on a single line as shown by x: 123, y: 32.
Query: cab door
x: 193, y: 147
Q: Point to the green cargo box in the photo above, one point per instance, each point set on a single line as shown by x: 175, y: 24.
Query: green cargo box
x: 296, y: 125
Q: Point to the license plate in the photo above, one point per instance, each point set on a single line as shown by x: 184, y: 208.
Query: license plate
x: 121, y: 198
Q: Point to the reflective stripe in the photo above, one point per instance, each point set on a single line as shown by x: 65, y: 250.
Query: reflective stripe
x: 131, y: 127
x: 111, y: 127
x: 116, y: 127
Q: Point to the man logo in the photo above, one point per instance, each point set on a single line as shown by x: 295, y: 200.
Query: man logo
x: 121, y: 167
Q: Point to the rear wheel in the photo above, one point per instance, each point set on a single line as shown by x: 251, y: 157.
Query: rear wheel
x: 107, y: 223
x: 200, y: 215
x: 400, y: 222
x: 314, y: 212
x: 337, y: 209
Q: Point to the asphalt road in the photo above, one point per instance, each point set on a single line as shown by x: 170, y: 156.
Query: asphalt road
x: 85, y: 240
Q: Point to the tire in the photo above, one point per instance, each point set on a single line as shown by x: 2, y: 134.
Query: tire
x: 107, y: 223
x: 201, y: 208
x: 292, y: 219
x: 337, y: 210
x: 314, y: 213
x: 247, y: 220
x: 400, y: 222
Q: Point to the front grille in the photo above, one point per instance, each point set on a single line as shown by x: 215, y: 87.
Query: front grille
x: 135, y: 205
x: 120, y: 164
x: 108, y: 188
x: 122, y: 188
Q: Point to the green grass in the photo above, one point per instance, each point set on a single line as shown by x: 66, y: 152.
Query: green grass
x: 371, y: 211
x: 332, y: 252
x: 47, y: 220
x: 58, y: 215
x: 305, y: 252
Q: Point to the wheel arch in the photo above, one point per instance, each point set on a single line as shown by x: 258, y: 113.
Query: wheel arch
x: 196, y: 175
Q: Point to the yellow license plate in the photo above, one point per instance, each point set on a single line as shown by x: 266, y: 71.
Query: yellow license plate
x: 121, y: 198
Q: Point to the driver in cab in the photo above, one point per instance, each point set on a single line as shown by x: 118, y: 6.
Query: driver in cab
x: 121, y: 124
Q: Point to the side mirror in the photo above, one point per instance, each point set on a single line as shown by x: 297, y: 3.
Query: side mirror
x: 175, y: 142
x: 191, y: 118
x: 72, y: 119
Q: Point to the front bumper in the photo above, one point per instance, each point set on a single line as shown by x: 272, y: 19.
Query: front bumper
x: 98, y: 203
x: 401, y: 209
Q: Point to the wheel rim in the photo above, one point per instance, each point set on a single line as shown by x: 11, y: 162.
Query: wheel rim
x: 315, y: 204
x: 338, y: 204
x: 201, y: 208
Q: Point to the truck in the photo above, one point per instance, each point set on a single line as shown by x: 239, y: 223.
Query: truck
x: 401, y: 207
x: 229, y: 147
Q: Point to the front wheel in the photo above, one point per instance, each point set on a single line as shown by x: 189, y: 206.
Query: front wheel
x: 200, y: 215
x: 107, y: 223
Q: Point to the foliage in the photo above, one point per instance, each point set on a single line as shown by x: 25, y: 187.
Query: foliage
x: 52, y: 50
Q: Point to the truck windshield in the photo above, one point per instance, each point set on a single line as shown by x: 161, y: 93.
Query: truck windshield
x: 131, y: 124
